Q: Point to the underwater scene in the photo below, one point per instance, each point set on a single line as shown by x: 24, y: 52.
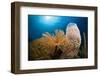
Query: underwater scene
x: 57, y: 37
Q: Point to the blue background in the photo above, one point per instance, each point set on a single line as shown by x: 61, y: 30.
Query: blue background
x: 39, y: 24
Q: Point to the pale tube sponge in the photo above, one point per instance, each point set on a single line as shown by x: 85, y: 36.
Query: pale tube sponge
x: 73, y: 37
x: 73, y: 34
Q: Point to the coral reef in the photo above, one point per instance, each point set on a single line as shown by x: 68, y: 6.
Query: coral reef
x: 59, y: 45
x: 83, y: 49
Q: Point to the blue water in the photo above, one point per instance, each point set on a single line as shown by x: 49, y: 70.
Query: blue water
x: 39, y: 24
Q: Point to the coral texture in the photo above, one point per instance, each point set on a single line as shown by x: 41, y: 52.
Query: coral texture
x: 59, y: 45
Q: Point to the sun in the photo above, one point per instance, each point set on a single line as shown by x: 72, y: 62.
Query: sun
x: 50, y: 20
x: 48, y: 17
